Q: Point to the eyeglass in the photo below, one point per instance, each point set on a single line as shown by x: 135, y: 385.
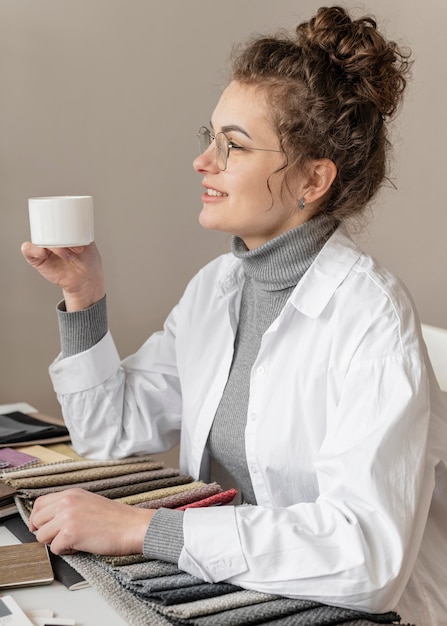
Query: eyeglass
x: 223, y: 146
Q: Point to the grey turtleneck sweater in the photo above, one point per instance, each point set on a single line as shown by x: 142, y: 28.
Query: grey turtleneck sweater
x: 271, y: 273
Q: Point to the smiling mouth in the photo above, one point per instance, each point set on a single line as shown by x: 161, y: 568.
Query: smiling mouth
x: 213, y: 192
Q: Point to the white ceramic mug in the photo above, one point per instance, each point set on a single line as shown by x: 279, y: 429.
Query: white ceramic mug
x: 61, y: 221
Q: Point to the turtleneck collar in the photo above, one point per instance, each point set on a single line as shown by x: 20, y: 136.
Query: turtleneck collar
x: 281, y: 262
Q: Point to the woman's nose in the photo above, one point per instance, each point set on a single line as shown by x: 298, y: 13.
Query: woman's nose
x: 206, y: 161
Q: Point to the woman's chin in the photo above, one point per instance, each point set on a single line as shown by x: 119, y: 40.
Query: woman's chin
x: 209, y: 221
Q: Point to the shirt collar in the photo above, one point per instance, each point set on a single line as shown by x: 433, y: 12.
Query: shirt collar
x: 325, y: 275
x: 280, y: 263
x: 314, y: 291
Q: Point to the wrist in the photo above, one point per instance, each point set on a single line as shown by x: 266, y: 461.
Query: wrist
x: 145, y: 517
x: 79, y: 301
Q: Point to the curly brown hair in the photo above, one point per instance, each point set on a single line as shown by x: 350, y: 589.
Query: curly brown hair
x: 332, y: 87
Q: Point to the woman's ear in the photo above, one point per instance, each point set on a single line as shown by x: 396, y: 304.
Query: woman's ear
x: 320, y: 176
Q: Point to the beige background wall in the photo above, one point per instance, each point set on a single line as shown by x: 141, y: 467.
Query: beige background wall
x: 104, y: 97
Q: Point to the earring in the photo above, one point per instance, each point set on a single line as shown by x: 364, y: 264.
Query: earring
x: 301, y: 204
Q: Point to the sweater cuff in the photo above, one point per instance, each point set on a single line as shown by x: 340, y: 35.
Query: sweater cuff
x: 164, y: 536
x: 80, y: 330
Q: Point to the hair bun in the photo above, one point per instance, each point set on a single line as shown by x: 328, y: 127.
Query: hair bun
x: 374, y: 67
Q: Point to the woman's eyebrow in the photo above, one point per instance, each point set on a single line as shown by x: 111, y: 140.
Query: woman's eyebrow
x: 235, y: 128
x: 232, y: 128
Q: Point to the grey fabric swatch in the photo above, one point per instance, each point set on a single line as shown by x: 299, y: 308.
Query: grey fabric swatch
x: 131, y: 608
x: 327, y: 616
x: 147, y: 586
x: 189, y: 594
x: 209, y: 606
x: 144, y: 570
x: 254, y: 614
x: 289, y: 612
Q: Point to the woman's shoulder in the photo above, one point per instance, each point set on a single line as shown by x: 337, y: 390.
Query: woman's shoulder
x: 364, y: 268
x: 379, y: 280
x: 355, y: 285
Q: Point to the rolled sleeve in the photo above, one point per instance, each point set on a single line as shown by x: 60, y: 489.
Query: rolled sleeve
x: 87, y: 369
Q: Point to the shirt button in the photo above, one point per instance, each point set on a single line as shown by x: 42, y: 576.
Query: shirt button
x: 261, y: 370
x: 253, y: 417
x: 254, y: 469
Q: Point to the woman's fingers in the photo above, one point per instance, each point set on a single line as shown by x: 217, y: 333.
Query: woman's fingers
x: 75, y: 519
x: 35, y: 255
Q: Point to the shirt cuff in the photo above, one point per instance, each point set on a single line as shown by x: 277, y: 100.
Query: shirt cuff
x: 164, y: 536
x: 80, y: 330
x: 212, y: 549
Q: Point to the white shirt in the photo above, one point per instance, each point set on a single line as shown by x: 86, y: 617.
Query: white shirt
x: 345, y: 428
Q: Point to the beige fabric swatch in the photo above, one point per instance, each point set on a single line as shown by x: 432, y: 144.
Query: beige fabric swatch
x: 68, y: 466
x: 176, y: 500
x: 117, y: 486
x: 82, y: 475
x: 45, y: 454
x: 67, y: 450
x: 158, y: 493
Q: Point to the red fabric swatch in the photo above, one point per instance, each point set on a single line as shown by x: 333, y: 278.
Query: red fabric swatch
x: 225, y: 497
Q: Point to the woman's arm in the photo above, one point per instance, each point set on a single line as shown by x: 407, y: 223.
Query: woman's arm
x: 115, y: 409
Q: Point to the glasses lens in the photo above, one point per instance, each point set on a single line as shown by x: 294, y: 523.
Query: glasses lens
x: 204, y: 136
x: 221, y: 151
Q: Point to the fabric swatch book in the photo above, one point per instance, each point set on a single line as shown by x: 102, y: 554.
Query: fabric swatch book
x: 63, y: 572
x: 25, y: 564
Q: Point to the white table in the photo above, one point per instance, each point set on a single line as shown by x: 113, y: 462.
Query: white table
x: 86, y: 606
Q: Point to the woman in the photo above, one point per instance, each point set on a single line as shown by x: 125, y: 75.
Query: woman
x: 295, y: 363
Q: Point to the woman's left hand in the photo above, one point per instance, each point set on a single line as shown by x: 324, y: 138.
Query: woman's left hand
x: 77, y: 520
